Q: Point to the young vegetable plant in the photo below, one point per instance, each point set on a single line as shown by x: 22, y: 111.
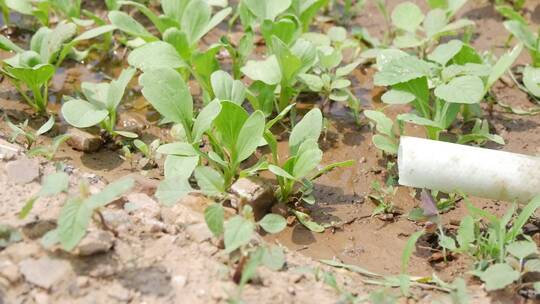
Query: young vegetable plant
x: 296, y: 175
x: 52, y: 184
x: 42, y: 9
x: 33, y: 69
x: 79, y: 210
x: 100, y: 106
x: 291, y: 16
x: 29, y: 135
x: 454, y: 80
x: 238, y: 232
x: 408, y: 20
x: 531, y: 41
x: 328, y: 76
x: 233, y: 134
x: 503, y: 254
x: 181, y: 27
x: 280, y: 70
x: 383, y: 199
x: 388, y: 132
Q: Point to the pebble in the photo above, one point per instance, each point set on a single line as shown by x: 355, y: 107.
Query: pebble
x: 131, y: 122
x: 142, y: 206
x: 95, y: 242
x: 255, y: 192
x: 23, y: 171
x: 83, y: 141
x: 179, y: 280
x: 8, y: 151
x: 119, y: 292
x: 199, y: 232
x: 116, y: 219
x: 45, y: 272
x: 10, y: 271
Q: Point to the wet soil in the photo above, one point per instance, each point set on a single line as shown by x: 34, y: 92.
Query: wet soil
x: 342, y: 195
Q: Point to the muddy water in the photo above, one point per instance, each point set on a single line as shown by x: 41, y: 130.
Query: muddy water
x: 342, y: 202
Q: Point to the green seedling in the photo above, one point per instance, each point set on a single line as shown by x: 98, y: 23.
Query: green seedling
x: 149, y: 151
x: 29, y: 135
x: 42, y: 9
x: 34, y: 68
x: 296, y: 175
x: 383, y: 199
x: 454, y: 80
x: 78, y: 211
x: 181, y: 27
x: 240, y: 53
x: 503, y: 254
x: 408, y: 20
x: 48, y: 151
x: 52, y: 184
x: 100, y: 105
x: 238, y: 232
x: 281, y: 69
x: 329, y: 76
x: 531, y: 41
x: 388, y: 132
x: 232, y: 133
x: 291, y: 16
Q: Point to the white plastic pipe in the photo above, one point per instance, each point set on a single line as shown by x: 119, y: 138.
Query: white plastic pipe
x: 480, y: 172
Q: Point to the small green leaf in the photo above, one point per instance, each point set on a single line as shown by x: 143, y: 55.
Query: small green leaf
x: 73, y: 222
x: 308, y: 222
x: 214, y: 215
x: 273, y: 258
x: 522, y: 249
x: 238, y: 232
x: 155, y: 55
x: 408, y: 251
x: 267, y: 9
x: 498, y: 276
x: 503, y: 64
x: 111, y: 192
x: 531, y: 80
x: 267, y: 71
x: 385, y: 144
x: 46, y: 127
x: 402, y: 70
x: 463, y: 89
x: 128, y: 24
x: 273, y: 223
x: 250, y: 135
x: 209, y: 180
x: 445, y: 52
x: 226, y: 88
x: 407, y: 16
x: 280, y: 172
x: 82, y: 114
x: 173, y: 189
x: 168, y: 93
x: 310, y: 127
x: 397, y: 97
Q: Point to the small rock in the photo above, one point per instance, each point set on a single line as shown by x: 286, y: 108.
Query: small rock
x: 131, y: 122
x: 10, y: 271
x: 181, y: 215
x: 83, y: 141
x: 118, y: 292
x: 45, y: 272
x: 179, y: 280
x: 40, y: 297
x: 83, y: 281
x: 199, y: 232
x: 142, y: 206
x: 8, y: 151
x: 23, y: 171
x: 37, y: 229
x: 144, y: 184
x: 152, y: 225
x: 116, y: 219
x: 255, y: 192
x: 96, y: 241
